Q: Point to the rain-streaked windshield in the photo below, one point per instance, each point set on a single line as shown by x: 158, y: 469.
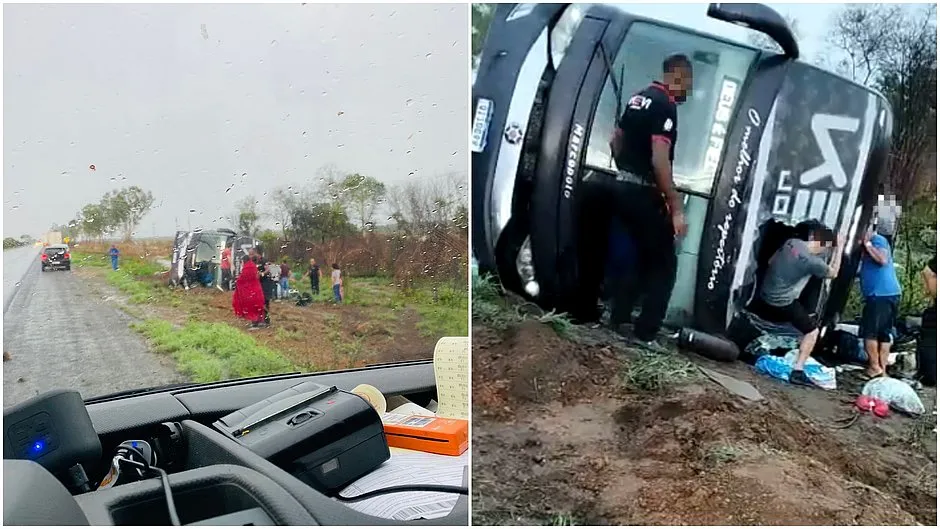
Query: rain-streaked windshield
x: 244, y: 190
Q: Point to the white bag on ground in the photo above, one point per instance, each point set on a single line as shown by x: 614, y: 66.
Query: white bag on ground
x: 896, y: 393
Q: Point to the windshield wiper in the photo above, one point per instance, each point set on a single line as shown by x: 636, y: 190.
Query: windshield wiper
x: 618, y: 93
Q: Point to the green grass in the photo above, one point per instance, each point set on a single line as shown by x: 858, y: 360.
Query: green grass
x: 126, y: 277
x: 209, y: 352
x: 442, y: 314
x: 657, y: 371
x: 489, y: 306
x: 564, y: 520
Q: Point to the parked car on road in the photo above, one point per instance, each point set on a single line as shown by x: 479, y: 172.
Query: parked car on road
x: 56, y: 256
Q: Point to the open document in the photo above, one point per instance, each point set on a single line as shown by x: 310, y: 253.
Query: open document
x: 407, y: 467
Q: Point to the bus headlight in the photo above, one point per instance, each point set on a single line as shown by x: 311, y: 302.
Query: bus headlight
x: 526, y: 268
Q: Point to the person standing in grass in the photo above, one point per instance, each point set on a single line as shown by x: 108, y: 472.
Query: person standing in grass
x: 226, y: 266
x: 248, y: 298
x: 337, y: 284
x: 881, y: 291
x: 285, y: 278
x: 270, y: 276
x: 114, y: 253
x: 315, y: 274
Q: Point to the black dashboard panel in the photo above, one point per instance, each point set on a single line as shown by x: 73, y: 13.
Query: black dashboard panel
x: 222, y: 480
x: 211, y: 401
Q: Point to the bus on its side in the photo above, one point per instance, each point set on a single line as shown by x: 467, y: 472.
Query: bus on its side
x: 766, y: 142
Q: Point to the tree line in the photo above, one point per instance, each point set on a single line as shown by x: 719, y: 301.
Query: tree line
x: 118, y: 212
x: 336, y: 205
x: 12, y: 242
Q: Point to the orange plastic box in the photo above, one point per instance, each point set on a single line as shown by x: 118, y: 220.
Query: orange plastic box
x: 436, y: 435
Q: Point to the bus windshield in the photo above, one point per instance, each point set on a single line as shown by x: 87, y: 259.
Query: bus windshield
x: 719, y: 72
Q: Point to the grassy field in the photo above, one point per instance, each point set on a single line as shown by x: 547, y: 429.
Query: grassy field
x: 378, y: 321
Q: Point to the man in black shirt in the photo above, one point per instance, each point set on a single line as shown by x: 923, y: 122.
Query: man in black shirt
x: 643, y: 146
x: 314, y: 273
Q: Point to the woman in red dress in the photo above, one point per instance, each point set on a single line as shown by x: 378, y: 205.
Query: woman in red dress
x: 248, y: 299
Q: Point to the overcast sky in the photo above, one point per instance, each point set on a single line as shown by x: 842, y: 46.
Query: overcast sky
x: 182, y: 100
x: 812, y: 20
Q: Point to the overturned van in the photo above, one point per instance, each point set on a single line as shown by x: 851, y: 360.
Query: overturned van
x: 766, y: 143
x: 197, y: 257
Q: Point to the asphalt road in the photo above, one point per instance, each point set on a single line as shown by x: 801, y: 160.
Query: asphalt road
x: 61, y: 335
x: 16, y: 262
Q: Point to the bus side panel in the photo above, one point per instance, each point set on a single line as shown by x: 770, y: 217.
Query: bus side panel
x: 562, y: 152
x: 875, y: 173
x: 729, y: 208
x: 812, y: 166
x: 504, y: 51
x: 579, y: 297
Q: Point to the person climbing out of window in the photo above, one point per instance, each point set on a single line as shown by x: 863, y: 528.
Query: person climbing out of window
x: 644, y: 198
x: 790, y: 269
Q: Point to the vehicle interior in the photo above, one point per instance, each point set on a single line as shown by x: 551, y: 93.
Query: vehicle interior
x: 59, y: 452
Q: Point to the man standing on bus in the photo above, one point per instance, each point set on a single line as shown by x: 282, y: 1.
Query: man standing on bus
x: 643, y: 145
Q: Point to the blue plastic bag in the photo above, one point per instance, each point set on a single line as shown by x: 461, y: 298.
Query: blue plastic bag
x: 774, y: 367
x: 780, y: 368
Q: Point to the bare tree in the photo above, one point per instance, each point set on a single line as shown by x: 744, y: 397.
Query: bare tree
x: 422, y: 206
x: 893, y: 48
x: 860, y: 35
x: 282, y: 202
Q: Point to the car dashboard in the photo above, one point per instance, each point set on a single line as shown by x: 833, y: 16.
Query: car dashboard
x: 214, y: 480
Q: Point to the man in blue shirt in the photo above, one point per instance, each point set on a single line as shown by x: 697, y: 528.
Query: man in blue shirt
x: 114, y: 257
x: 881, y: 291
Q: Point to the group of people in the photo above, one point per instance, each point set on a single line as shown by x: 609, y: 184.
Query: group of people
x: 643, y: 200
x: 260, y: 282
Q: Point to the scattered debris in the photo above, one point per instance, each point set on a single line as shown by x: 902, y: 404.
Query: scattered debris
x: 735, y: 386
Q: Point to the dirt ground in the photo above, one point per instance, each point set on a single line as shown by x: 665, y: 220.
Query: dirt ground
x: 320, y: 336
x: 558, y: 438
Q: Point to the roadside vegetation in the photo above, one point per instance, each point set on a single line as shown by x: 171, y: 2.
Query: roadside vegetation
x: 379, y: 322
x: 209, y: 352
x: 11, y: 242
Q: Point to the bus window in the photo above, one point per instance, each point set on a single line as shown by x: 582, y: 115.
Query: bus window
x: 719, y: 71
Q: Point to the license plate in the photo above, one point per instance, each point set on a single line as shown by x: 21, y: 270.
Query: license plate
x: 481, y: 124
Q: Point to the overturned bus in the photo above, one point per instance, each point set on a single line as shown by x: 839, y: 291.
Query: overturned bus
x: 197, y: 257
x: 766, y: 142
